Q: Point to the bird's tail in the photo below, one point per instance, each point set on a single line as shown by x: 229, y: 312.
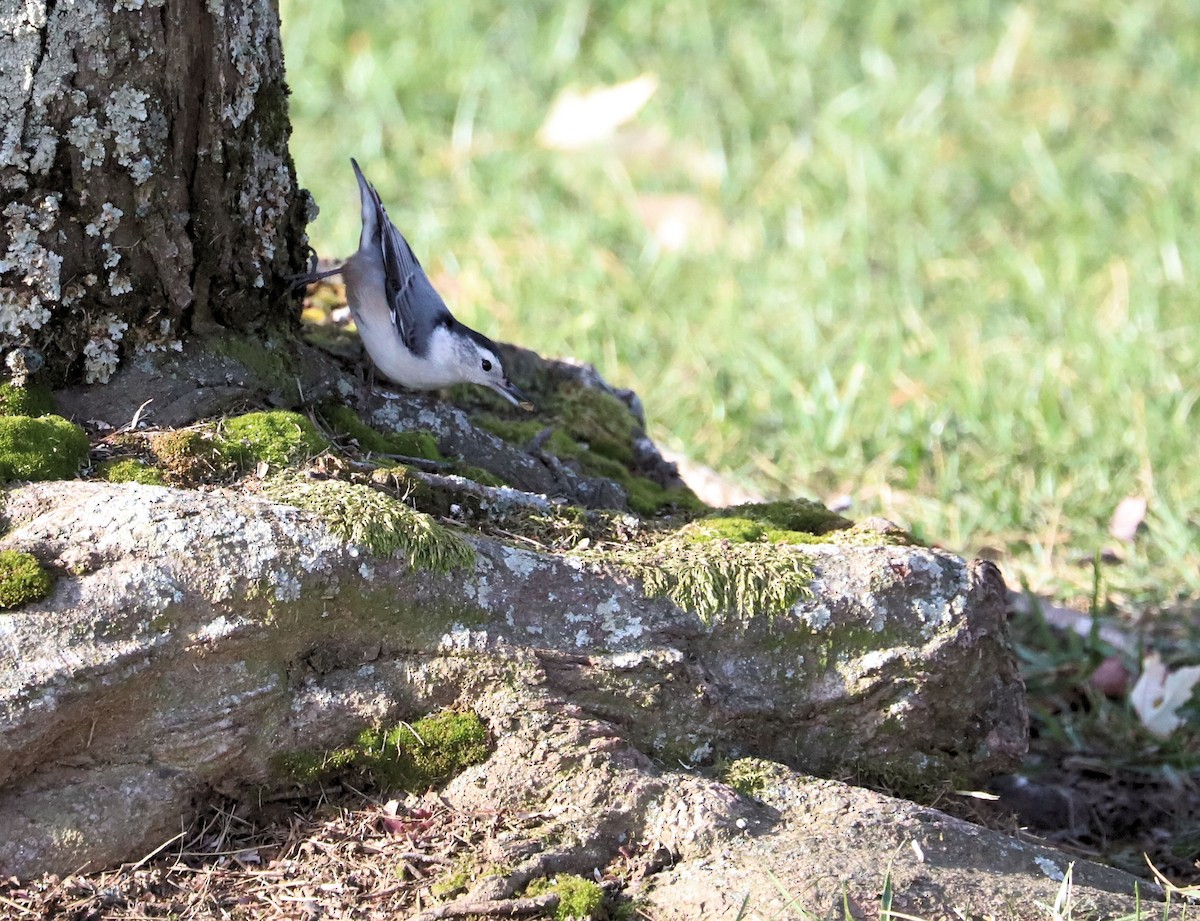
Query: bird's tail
x: 373, y: 216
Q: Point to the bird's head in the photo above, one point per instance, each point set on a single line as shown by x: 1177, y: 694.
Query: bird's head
x: 479, y: 362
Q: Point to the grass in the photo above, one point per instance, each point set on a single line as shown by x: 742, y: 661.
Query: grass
x: 949, y: 260
x: 943, y: 261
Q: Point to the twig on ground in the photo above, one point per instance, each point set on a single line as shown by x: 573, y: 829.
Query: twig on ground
x: 499, y: 908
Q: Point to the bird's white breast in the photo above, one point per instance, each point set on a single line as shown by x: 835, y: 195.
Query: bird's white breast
x: 369, y: 307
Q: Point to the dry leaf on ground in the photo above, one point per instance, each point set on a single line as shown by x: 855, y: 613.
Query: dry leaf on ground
x: 580, y: 119
x: 1128, y: 517
x: 1160, y: 692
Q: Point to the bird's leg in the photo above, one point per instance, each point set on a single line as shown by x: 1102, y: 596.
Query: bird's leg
x: 304, y: 279
x: 368, y: 397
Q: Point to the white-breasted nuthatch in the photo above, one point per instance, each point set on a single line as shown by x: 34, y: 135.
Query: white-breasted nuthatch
x: 405, y: 326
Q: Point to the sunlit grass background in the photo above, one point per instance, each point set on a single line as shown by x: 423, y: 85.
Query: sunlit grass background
x: 940, y: 257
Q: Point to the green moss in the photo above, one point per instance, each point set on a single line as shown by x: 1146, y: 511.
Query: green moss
x: 413, y: 758
x: 345, y: 421
x: 188, y: 457
x: 796, y: 522
x: 457, y: 880
x: 577, y: 897
x: 477, y: 475
x: 750, y: 776
x: 514, y: 431
x: 25, y: 401
x: 277, y: 437
x: 795, y: 515
x: 860, y: 536
x: 715, y: 577
x: 129, y: 470
x: 596, y: 419
x: 429, y: 753
x: 649, y: 498
x: 596, y: 431
x: 585, y: 423
x: 308, y: 767
x: 22, y: 579
x: 380, y: 523
x: 272, y: 366
x: 46, y: 448
x: 799, y: 521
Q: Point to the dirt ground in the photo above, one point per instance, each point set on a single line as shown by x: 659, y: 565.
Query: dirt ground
x: 342, y: 854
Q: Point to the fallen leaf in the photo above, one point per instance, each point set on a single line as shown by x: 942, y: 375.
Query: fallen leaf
x: 1160, y: 692
x: 680, y: 222
x: 1127, y: 518
x: 578, y: 120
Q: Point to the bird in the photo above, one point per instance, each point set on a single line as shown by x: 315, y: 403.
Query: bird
x: 405, y: 326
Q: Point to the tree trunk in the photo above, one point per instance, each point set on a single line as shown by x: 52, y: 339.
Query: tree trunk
x: 145, y: 180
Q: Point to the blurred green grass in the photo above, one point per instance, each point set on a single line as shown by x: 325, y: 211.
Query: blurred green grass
x: 945, y: 254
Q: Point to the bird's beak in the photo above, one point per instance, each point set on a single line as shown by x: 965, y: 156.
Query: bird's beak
x: 513, y: 394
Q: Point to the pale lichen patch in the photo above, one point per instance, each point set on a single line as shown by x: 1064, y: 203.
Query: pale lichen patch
x: 815, y: 616
x: 106, y: 221
x: 100, y: 352
x: 520, y: 562
x: 264, y: 199
x: 33, y: 266
x: 287, y: 586
x: 219, y: 627
x: 463, y: 639
x: 127, y: 113
x: 86, y: 136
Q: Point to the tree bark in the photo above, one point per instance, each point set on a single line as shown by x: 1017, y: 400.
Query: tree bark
x: 145, y: 180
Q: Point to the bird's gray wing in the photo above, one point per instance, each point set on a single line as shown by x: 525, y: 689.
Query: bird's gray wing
x: 415, y: 307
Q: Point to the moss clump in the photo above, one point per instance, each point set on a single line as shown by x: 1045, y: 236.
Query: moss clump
x: 46, y: 448
x: 872, y: 533
x: 585, y: 424
x: 22, y: 579
x: 645, y: 496
x: 345, y: 421
x: 649, y: 498
x: 413, y: 758
x: 25, y: 401
x: 477, y: 475
x: 522, y: 431
x: 130, y: 470
x: 277, y: 437
x: 796, y: 515
x: 750, y: 776
x: 596, y: 419
x: 378, y: 522
x: 188, y: 457
x: 742, y: 530
x: 800, y: 521
x: 456, y: 880
x: 270, y: 365
x: 577, y: 897
x: 713, y: 577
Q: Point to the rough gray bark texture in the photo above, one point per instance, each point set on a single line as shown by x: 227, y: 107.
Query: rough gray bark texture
x: 695, y: 848
x: 145, y: 181
x: 195, y: 636
x: 805, y: 845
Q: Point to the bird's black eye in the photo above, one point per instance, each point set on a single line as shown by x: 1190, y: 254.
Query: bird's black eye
x: 486, y: 365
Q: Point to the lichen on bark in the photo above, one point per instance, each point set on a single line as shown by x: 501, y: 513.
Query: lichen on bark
x: 128, y: 200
